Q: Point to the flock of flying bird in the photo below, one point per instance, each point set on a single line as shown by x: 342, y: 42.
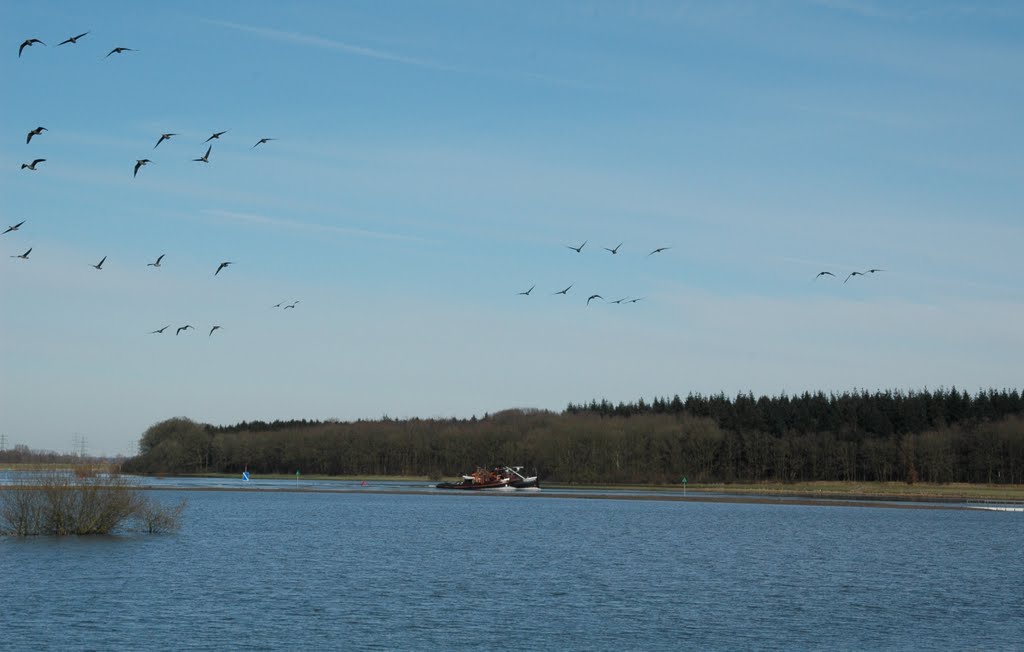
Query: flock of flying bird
x: 613, y: 251
x: 205, y: 158
x: 873, y: 270
x: 139, y: 163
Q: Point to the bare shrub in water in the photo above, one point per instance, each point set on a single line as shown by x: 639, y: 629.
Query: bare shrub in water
x: 157, y: 518
x: 65, y: 502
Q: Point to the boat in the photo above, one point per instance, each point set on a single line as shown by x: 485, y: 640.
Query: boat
x: 498, y: 477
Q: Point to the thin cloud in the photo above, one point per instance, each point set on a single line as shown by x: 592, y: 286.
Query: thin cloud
x: 310, y: 40
x: 859, y: 7
x: 298, y: 38
x: 891, y: 119
x: 254, y: 218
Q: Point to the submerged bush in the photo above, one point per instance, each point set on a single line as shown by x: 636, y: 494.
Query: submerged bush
x: 65, y: 502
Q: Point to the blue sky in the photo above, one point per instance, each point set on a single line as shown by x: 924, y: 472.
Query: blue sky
x: 434, y: 159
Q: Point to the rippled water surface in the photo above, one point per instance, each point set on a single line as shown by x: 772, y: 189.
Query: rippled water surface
x: 279, y: 570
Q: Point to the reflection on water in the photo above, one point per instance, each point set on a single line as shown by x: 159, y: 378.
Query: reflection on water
x: 357, y: 570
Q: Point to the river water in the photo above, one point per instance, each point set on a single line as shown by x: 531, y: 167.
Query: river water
x: 271, y: 570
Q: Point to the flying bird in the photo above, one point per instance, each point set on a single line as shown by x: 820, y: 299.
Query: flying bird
x: 658, y: 250
x: 213, y: 329
x: 35, y: 132
x: 527, y: 293
x: 579, y: 248
x: 119, y: 51
x: 594, y: 296
x: 24, y: 256
x: 565, y: 291
x: 619, y: 301
x: 139, y: 163
x: 162, y: 138
x: 15, y: 227
x: 823, y: 274
x: 99, y: 265
x: 28, y: 43
x: 33, y: 164
x: 222, y: 266
x: 183, y: 328
x: 157, y: 263
x: 636, y: 299
x: 615, y: 250
x: 159, y: 330
x: 217, y: 134
x: 290, y: 305
x: 873, y: 270
x: 205, y: 158
x: 262, y: 141
x: 852, y: 274
x: 73, y: 39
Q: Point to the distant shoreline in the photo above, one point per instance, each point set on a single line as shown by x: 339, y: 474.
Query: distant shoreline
x: 691, y: 497
x: 861, y: 494
x: 814, y: 493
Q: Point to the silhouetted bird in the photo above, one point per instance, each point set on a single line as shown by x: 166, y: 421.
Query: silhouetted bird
x: 119, y: 51
x: 291, y: 305
x: 222, y: 266
x: 823, y: 274
x: 615, y: 250
x: 594, y: 296
x: 35, y: 132
x: 14, y: 227
x: 24, y: 256
x: 619, y: 300
x: 205, y: 158
x: 579, y: 248
x: 157, y: 263
x: 872, y: 271
x: 216, y: 134
x: 139, y: 163
x: 99, y: 265
x: 658, y: 250
x: 159, y: 330
x: 28, y: 43
x: 33, y: 164
x: 852, y: 274
x: 73, y: 39
x: 565, y: 291
x: 263, y: 141
x: 527, y: 293
x: 636, y: 299
x: 183, y: 328
x: 162, y: 138
x: 213, y: 329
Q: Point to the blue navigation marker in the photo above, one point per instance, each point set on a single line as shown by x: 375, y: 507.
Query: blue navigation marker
x: 245, y: 474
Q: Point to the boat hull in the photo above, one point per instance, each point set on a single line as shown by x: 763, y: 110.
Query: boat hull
x: 471, y: 486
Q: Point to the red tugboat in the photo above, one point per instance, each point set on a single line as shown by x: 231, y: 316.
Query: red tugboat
x: 499, y: 477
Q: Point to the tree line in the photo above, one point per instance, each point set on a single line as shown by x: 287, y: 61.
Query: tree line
x: 938, y: 436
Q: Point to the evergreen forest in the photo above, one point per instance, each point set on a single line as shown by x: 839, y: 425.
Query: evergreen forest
x: 937, y: 436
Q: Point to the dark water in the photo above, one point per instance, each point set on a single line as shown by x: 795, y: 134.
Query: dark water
x: 301, y: 571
